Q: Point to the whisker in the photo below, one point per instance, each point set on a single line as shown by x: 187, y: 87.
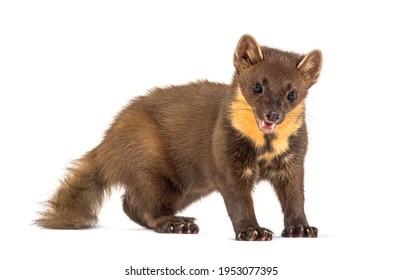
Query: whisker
x: 311, y: 119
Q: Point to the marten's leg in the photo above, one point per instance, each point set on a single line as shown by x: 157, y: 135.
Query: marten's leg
x: 153, y: 203
x: 289, y: 186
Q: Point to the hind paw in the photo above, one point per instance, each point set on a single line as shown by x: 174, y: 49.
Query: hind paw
x: 181, y: 225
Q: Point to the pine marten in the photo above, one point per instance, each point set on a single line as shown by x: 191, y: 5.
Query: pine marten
x: 178, y: 144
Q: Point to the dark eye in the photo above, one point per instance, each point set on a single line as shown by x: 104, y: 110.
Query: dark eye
x: 291, y: 95
x: 257, y: 88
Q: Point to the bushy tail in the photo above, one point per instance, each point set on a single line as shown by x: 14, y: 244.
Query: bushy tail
x: 78, y: 199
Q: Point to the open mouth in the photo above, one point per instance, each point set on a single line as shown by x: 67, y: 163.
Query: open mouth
x: 266, y: 127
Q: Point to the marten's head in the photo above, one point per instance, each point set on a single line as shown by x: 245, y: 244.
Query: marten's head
x: 272, y: 84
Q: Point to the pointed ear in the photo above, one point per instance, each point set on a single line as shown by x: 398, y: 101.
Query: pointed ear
x: 310, y: 66
x: 247, y: 52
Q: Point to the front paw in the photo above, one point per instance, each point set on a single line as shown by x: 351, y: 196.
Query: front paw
x: 300, y: 231
x: 254, y: 234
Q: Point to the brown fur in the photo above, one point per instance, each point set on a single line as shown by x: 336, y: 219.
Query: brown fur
x: 178, y: 144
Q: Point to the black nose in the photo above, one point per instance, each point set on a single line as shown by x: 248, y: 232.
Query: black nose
x: 273, y: 116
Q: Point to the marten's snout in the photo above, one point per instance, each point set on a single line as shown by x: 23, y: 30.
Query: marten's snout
x: 273, y: 116
x: 271, y: 119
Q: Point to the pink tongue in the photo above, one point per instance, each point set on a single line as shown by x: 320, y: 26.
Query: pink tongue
x: 266, y: 126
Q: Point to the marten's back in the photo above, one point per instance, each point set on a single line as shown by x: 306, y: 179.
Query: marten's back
x: 169, y: 130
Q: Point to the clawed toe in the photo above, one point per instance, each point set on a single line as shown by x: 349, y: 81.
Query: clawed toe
x: 180, y: 225
x: 254, y: 234
x: 300, y: 231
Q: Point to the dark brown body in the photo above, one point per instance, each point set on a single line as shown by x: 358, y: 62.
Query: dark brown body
x: 178, y: 144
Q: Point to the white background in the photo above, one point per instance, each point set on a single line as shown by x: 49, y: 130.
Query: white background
x: 67, y: 68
